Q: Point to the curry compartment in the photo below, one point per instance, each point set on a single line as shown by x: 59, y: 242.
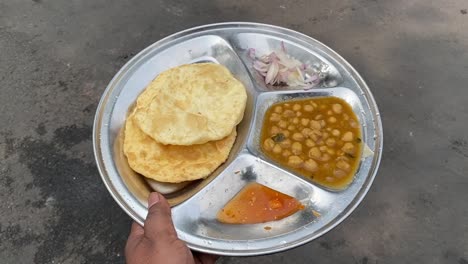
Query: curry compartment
x: 315, y: 134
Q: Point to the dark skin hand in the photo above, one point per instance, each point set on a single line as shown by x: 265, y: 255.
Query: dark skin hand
x: 157, y: 241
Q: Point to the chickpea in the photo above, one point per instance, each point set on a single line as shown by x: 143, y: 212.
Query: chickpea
x: 278, y: 109
x: 298, y: 136
x: 296, y: 107
x: 348, y: 136
x: 296, y: 120
x: 285, y: 143
x: 317, y: 132
x: 339, y: 173
x: 286, y: 133
x: 315, y: 153
x: 315, y: 124
x: 313, y: 104
x: 318, y: 117
x: 343, y: 165
x: 311, y: 165
x: 305, y: 121
x: 274, y: 130
x: 322, y: 123
x: 336, y: 132
x: 342, y: 158
x: 331, y: 142
x: 329, y: 179
x: 320, y: 142
x: 331, y: 151
x: 291, y: 127
x: 326, y: 157
x: 288, y: 113
x: 287, y: 105
x: 282, y: 124
x: 353, y: 124
x: 309, y: 143
x: 332, y: 119
x: 337, y: 108
x: 298, y: 114
x: 325, y: 135
x: 306, y: 132
x: 286, y: 153
x: 296, y: 148
x: 323, y: 148
x: 329, y: 112
x: 268, y: 144
x: 295, y: 161
x: 329, y: 129
x: 308, y: 108
x: 275, y: 117
x: 313, y: 136
x: 346, y: 117
x: 348, y: 148
x: 277, y: 149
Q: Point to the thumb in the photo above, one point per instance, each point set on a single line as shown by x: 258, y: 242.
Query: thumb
x: 158, y: 224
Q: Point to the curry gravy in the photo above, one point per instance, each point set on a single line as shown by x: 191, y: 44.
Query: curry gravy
x: 256, y: 203
x: 318, y: 138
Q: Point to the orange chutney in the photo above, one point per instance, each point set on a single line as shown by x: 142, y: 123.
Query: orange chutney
x: 318, y: 138
x: 256, y: 203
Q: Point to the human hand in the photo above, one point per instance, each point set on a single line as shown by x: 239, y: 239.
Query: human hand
x: 157, y: 241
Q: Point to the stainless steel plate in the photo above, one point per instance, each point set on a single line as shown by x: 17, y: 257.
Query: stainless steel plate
x: 195, y: 211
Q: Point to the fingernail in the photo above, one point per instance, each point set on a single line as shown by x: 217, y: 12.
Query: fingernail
x: 153, y: 199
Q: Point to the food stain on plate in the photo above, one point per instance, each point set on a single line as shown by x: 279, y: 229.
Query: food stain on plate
x: 257, y: 203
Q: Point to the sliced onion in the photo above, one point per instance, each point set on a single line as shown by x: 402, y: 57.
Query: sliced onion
x: 309, y: 86
x: 299, y: 72
x: 260, y: 66
x: 311, y: 77
x: 279, y: 67
x: 287, y: 61
x: 272, y: 73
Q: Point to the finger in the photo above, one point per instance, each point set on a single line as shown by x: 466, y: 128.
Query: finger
x: 206, y: 258
x: 158, y: 225
x: 136, y: 233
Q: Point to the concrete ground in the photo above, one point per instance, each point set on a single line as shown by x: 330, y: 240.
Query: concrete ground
x: 56, y: 58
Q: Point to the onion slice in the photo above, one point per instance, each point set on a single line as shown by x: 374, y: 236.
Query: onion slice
x: 272, y: 72
x: 279, y: 68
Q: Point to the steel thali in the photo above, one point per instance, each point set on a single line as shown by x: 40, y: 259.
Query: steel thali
x: 195, y: 205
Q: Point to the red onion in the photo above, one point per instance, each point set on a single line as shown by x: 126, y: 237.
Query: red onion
x: 279, y: 68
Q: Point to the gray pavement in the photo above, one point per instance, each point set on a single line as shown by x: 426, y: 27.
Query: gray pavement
x: 56, y: 58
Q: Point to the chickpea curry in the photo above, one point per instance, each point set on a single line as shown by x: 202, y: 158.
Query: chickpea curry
x: 318, y: 138
x: 256, y: 203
